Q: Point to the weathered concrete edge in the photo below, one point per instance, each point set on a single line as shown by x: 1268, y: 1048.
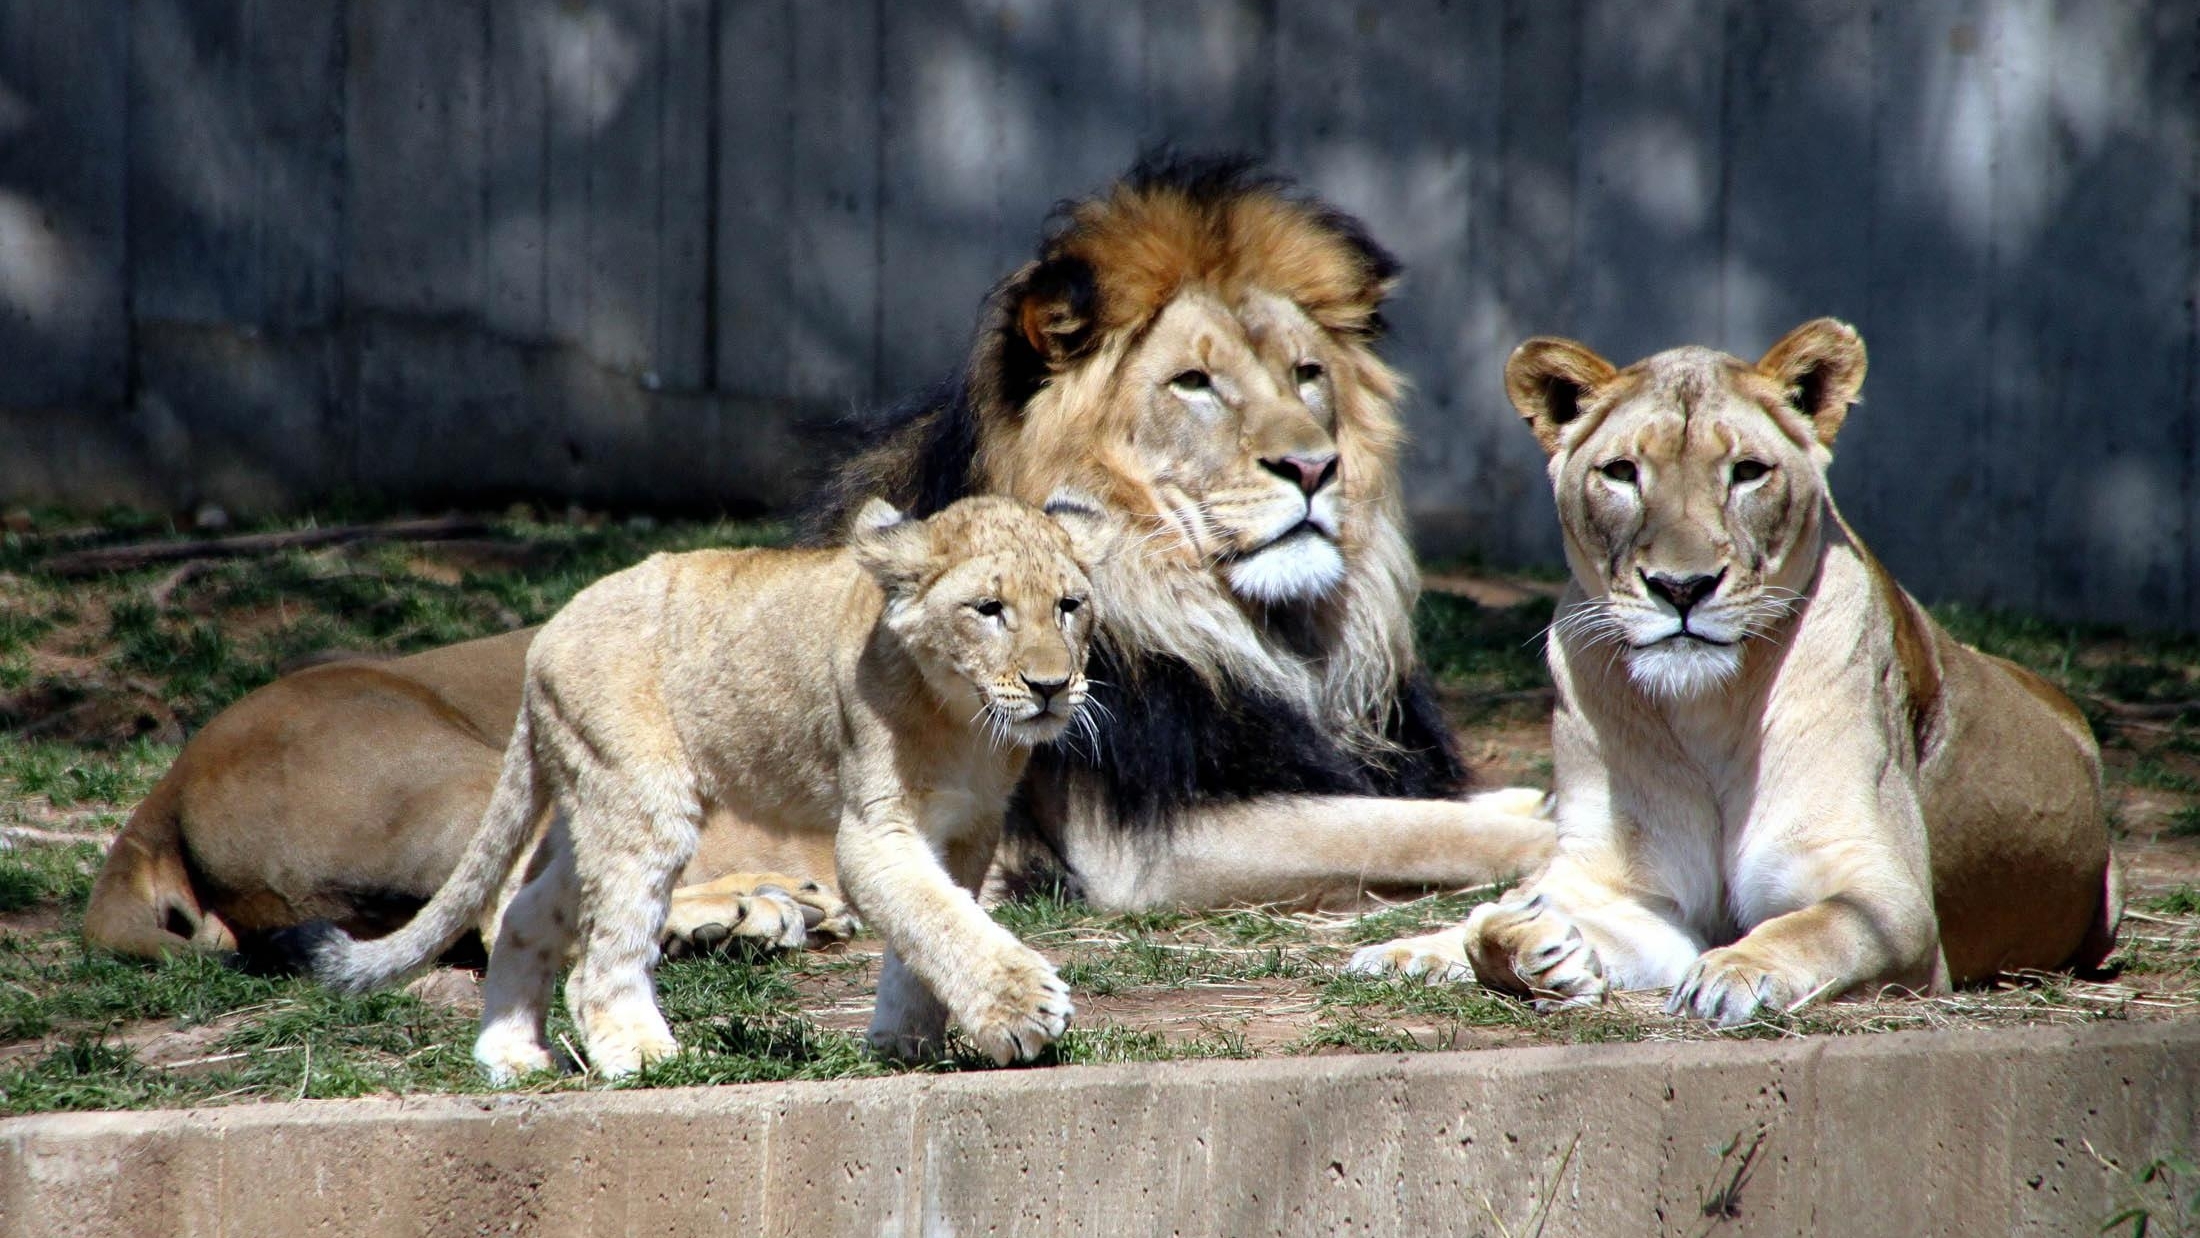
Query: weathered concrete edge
x: 1907, y: 1133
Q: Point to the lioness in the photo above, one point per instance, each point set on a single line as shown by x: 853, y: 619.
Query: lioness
x: 1777, y: 778
x: 1195, y: 347
x: 885, y: 695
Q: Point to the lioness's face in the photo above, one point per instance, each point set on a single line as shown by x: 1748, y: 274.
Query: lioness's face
x: 1232, y: 419
x: 1690, y: 490
x: 991, y: 598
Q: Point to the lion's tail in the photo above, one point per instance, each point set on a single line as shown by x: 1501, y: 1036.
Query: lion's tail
x: 143, y: 902
x: 343, y: 962
x: 2100, y: 936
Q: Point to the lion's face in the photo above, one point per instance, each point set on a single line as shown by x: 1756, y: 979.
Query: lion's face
x: 1690, y: 490
x: 1230, y: 419
x: 991, y: 598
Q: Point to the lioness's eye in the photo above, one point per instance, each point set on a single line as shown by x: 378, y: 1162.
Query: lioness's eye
x: 989, y: 607
x: 1306, y: 372
x: 1192, y: 380
x: 1749, y: 470
x: 1070, y: 605
x: 1620, y: 471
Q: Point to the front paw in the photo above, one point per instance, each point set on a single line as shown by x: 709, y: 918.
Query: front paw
x: 1529, y: 947
x: 1437, y: 957
x: 1728, y: 986
x: 1021, y: 1007
x: 769, y: 919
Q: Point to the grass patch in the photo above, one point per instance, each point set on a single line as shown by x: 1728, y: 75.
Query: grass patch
x: 33, y: 875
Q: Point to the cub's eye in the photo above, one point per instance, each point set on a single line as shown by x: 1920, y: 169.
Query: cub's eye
x: 1070, y: 605
x: 1192, y: 380
x: 1306, y: 372
x: 990, y: 607
x: 1749, y: 470
x: 1622, y: 471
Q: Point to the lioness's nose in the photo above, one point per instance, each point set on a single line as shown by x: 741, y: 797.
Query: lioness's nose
x: 1045, y: 689
x: 1309, y: 473
x: 1683, y: 592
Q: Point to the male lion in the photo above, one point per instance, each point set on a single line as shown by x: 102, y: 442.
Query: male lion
x: 1777, y: 778
x: 884, y: 695
x: 1196, y: 349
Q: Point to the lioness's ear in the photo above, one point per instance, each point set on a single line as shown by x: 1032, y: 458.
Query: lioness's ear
x: 1092, y: 536
x: 889, y: 545
x: 1547, y: 379
x: 1821, y: 366
x: 1055, y: 308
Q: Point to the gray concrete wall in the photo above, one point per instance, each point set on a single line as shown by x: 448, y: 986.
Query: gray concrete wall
x: 266, y: 252
x: 1908, y: 1134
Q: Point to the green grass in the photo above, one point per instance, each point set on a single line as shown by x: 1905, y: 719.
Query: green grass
x: 47, y: 874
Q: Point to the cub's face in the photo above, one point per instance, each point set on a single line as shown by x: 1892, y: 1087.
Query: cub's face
x: 1690, y: 490
x: 990, y: 597
x: 1235, y: 425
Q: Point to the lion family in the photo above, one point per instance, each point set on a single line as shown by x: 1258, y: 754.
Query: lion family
x: 1776, y: 779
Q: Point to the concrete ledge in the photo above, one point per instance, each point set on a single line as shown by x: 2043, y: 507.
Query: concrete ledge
x: 1903, y: 1134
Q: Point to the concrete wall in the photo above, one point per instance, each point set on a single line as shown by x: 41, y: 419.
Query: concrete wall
x: 1907, y: 1134
x: 265, y: 252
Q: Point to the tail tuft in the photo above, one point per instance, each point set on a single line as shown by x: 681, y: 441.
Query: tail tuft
x: 315, y: 948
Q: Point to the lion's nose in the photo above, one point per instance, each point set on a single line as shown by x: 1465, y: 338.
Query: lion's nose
x: 1308, y: 473
x: 1682, y: 592
x: 1045, y: 689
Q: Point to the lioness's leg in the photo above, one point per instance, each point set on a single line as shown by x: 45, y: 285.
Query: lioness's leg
x: 1308, y: 848
x: 523, y: 968
x: 768, y: 910
x: 632, y: 835
x: 1004, y: 993
x: 1823, y: 950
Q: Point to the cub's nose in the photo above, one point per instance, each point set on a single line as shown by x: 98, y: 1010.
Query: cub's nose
x: 1682, y: 592
x: 1308, y: 473
x: 1045, y: 689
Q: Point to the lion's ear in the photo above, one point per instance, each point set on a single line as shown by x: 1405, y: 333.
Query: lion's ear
x: 1056, y: 306
x: 1821, y: 367
x: 1093, y: 537
x: 895, y: 549
x: 1547, y: 379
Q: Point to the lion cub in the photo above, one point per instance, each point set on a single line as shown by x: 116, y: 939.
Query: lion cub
x: 1777, y: 779
x: 887, y: 693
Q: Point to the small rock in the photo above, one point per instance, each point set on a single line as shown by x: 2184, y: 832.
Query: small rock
x: 210, y: 517
x: 449, y: 988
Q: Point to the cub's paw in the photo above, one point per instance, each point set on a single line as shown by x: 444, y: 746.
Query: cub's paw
x: 1529, y: 947
x: 617, y: 1052
x: 755, y: 912
x: 1727, y: 986
x: 1439, y: 958
x: 508, y: 1055
x: 1022, y: 1007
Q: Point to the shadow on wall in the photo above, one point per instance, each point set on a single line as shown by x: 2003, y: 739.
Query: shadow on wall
x: 633, y: 251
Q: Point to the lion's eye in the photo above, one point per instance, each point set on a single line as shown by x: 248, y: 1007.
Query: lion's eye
x: 990, y: 607
x: 1307, y: 372
x: 1749, y: 470
x: 1622, y: 471
x: 1192, y: 380
x: 1070, y: 605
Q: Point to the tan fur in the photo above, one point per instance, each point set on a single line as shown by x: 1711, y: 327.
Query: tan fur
x: 347, y: 792
x: 884, y: 695
x: 1274, y: 308
x: 1843, y: 797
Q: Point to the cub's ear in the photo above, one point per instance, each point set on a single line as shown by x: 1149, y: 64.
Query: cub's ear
x: 1821, y: 367
x: 1055, y: 307
x: 895, y: 549
x: 1548, y: 379
x: 1093, y: 537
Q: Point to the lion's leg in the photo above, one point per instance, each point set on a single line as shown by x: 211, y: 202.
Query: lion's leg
x: 1299, y: 849
x: 767, y: 910
x: 537, y: 932
x: 1564, y: 939
x: 911, y: 1022
x: 631, y: 837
